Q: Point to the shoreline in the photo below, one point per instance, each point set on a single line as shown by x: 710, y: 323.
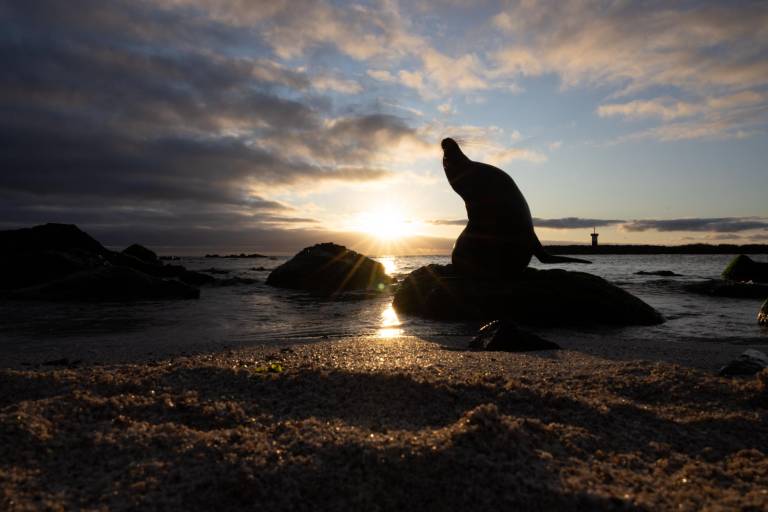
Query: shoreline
x: 388, y: 423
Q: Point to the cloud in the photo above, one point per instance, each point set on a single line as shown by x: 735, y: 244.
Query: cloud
x: 574, y: 223
x: 564, y: 223
x: 718, y: 225
x: 710, y: 55
x: 151, y: 113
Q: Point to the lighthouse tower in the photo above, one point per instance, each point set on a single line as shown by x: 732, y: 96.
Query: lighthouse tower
x: 594, y: 236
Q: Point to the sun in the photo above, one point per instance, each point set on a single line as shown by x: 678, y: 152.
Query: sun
x: 386, y: 223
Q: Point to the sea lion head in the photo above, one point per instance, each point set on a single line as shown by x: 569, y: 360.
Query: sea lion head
x: 451, y: 151
x: 454, y: 162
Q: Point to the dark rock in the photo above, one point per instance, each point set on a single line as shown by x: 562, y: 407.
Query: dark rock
x: 107, y: 283
x: 142, y: 253
x: 259, y: 269
x: 24, y: 269
x: 662, y: 273
x: 543, y: 297
x: 49, y: 237
x: 329, y: 269
x: 733, y: 289
x: 504, y: 335
x: 743, y: 268
x: 749, y: 362
x: 163, y: 271
x: 762, y: 315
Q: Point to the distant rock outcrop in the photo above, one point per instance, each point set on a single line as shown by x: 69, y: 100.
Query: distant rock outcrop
x: 329, y: 269
x: 542, y: 297
x: 661, y: 273
x: 743, y: 269
x: 61, y: 262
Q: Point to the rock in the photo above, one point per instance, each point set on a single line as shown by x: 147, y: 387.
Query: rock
x: 159, y: 270
x: 142, y: 253
x: 662, y: 273
x: 40, y: 262
x: 762, y: 315
x: 503, y: 335
x: 49, y: 237
x: 722, y: 288
x: 111, y: 283
x: 748, y: 363
x: 542, y: 297
x: 743, y: 268
x: 30, y: 268
x: 329, y: 269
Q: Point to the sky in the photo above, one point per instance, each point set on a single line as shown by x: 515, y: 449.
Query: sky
x: 196, y: 126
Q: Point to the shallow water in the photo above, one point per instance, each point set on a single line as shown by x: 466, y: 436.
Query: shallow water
x: 259, y: 314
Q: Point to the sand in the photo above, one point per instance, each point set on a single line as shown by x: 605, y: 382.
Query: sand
x: 387, y: 424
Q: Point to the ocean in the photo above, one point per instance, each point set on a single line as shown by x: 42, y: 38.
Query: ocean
x: 238, y: 316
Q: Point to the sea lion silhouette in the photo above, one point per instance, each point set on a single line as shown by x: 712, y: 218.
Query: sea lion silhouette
x: 499, y: 239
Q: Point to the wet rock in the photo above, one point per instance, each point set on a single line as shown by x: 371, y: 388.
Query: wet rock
x: 162, y: 271
x: 329, y: 269
x: 662, y: 273
x: 110, y: 283
x: 142, y: 253
x: 743, y: 268
x: 762, y: 315
x: 748, y: 363
x: 504, y: 335
x: 542, y: 297
x: 723, y: 288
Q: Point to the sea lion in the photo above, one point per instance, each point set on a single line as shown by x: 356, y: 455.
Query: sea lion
x: 499, y: 239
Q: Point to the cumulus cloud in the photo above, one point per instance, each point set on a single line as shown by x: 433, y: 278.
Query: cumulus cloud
x: 718, y: 225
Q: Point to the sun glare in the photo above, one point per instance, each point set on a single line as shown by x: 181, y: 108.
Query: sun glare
x: 385, y: 224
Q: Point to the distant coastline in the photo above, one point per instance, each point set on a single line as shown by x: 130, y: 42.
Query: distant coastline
x: 659, y: 249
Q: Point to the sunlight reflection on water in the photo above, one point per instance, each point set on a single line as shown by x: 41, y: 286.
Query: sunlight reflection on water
x: 390, y: 324
x: 390, y: 266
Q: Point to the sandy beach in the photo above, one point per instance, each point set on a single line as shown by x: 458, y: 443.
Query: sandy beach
x: 384, y: 424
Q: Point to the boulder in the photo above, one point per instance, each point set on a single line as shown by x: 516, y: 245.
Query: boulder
x: 110, y: 283
x: 743, y: 268
x: 762, y: 315
x: 329, y: 269
x: 733, y: 289
x: 142, y: 253
x: 30, y: 268
x: 39, y: 262
x: 749, y: 362
x: 662, y: 273
x: 541, y: 297
x: 49, y: 237
x: 504, y: 335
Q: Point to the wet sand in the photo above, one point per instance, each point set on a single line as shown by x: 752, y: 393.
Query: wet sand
x: 399, y: 423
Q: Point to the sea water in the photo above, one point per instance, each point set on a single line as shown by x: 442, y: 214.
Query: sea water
x: 257, y: 314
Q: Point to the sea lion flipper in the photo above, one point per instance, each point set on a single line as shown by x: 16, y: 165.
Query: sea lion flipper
x: 543, y: 256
